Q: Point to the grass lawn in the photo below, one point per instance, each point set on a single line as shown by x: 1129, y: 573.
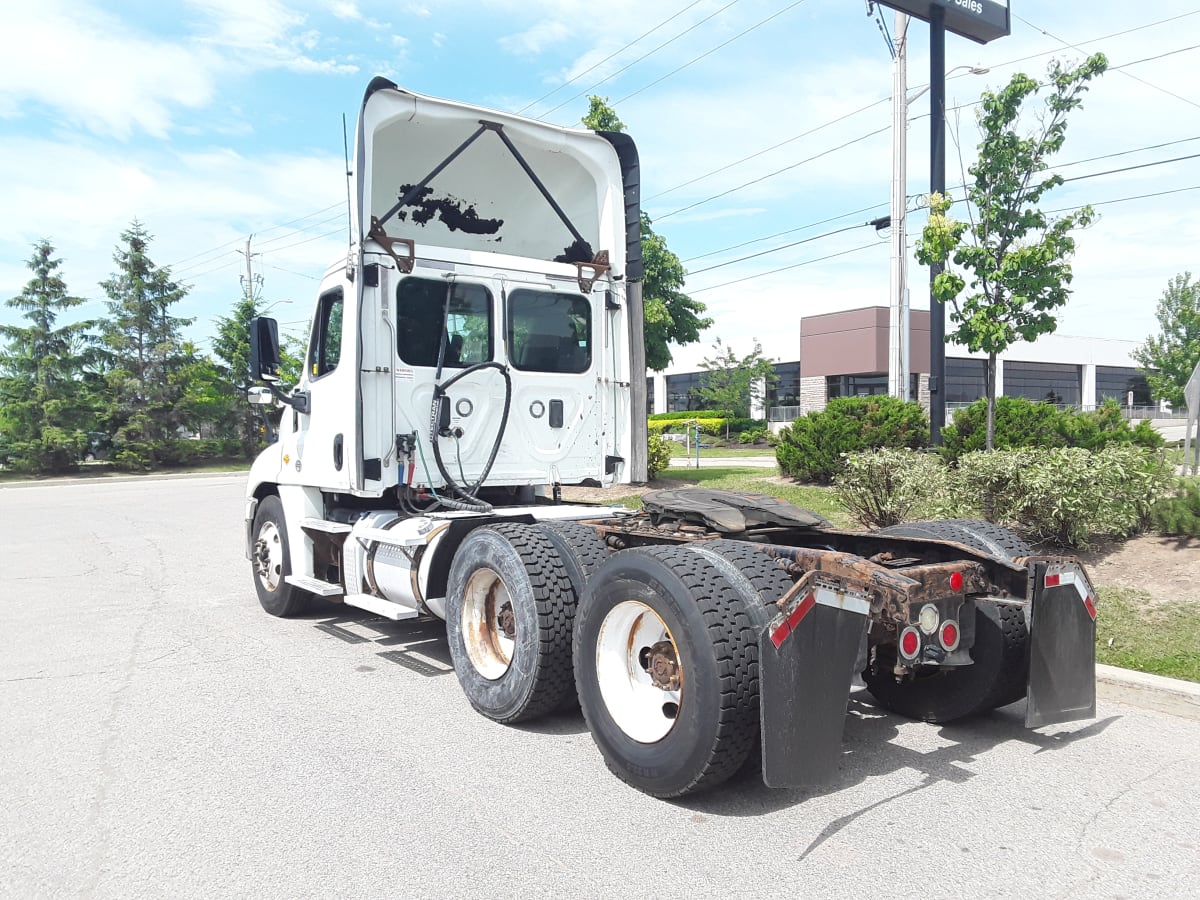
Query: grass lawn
x: 1134, y: 633
x: 679, y: 451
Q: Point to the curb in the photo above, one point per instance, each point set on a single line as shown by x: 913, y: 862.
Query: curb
x: 1154, y: 692
x: 118, y: 479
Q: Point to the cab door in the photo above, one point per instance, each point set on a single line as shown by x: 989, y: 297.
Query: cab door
x: 321, y: 450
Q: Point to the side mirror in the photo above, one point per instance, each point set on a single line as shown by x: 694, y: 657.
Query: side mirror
x: 264, y: 350
x: 260, y: 396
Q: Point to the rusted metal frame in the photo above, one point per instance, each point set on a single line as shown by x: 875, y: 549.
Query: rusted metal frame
x: 892, y: 593
x: 404, y: 264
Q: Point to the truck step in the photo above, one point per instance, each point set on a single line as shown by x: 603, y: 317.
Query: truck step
x: 380, y: 607
x: 315, y: 585
x: 314, y: 524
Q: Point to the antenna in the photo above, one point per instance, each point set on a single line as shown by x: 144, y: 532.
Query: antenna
x: 346, y: 152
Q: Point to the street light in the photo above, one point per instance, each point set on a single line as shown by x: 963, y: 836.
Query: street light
x: 898, y: 320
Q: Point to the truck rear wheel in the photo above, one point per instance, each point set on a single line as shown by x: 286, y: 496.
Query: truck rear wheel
x: 999, y: 672
x: 509, y: 610
x: 665, y: 649
x: 272, y: 562
x: 580, y: 548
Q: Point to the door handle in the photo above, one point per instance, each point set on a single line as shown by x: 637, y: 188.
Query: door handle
x: 337, y: 452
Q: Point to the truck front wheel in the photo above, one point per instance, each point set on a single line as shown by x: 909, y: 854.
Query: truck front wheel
x: 665, y: 649
x: 272, y: 562
x: 509, y: 609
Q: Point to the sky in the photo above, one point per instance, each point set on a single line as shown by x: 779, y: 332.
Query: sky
x: 762, y: 126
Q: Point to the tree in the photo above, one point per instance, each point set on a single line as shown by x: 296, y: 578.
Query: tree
x: 736, y: 383
x: 1170, y: 358
x: 43, y: 417
x: 1015, y: 255
x: 232, y: 347
x: 146, y: 351
x: 670, y: 316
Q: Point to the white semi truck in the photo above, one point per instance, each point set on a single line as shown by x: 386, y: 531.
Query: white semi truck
x: 478, y: 348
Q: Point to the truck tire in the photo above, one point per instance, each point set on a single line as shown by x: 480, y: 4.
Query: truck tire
x: 509, y: 611
x: 272, y: 562
x: 580, y: 548
x: 665, y: 656
x: 1000, y: 670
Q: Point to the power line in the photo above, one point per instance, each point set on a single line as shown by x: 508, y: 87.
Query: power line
x: 1157, y: 162
x: 1117, y: 68
x: 807, y: 240
x: 769, y: 149
x: 230, y: 244
x: 618, y: 52
x: 639, y: 59
x: 794, y: 165
x: 306, y: 241
x: 1013, y: 62
x: 807, y: 262
x: 713, y: 50
x: 788, y: 231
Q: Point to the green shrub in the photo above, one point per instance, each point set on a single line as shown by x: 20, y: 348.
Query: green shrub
x: 812, y: 447
x: 1179, y: 514
x: 1028, y: 423
x: 885, y: 487
x: 1066, y: 494
x: 754, y: 435
x: 658, y: 455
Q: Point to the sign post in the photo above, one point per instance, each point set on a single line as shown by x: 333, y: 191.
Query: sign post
x: 980, y: 21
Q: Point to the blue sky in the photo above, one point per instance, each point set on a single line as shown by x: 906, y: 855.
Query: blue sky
x: 211, y: 120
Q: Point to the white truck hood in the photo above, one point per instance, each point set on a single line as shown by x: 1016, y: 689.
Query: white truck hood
x: 446, y: 174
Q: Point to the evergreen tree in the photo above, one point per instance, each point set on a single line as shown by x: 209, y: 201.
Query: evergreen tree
x: 231, y: 346
x: 146, y: 352
x: 41, y: 415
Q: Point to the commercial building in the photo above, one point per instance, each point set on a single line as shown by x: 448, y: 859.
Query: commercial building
x: 845, y: 354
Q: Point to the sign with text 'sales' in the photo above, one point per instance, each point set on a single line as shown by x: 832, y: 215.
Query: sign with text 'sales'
x: 979, y: 20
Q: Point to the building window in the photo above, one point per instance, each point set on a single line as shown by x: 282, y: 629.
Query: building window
x: 1047, y: 382
x: 966, y: 380
x: 683, y: 392
x: 785, y: 391
x: 856, y: 385
x: 1116, y: 383
x: 649, y: 396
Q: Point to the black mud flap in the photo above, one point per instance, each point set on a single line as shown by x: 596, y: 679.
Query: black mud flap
x: 807, y: 658
x: 1062, y: 646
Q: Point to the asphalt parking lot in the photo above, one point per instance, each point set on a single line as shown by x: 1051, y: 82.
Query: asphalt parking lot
x: 161, y: 736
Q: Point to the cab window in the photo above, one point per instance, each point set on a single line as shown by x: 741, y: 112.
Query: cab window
x: 325, y: 345
x: 549, y: 332
x: 421, y: 312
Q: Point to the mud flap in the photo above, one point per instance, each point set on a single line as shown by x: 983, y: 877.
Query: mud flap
x: 1062, y: 646
x: 807, y: 658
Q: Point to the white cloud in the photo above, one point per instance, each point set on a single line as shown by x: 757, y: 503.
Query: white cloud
x: 532, y: 41
x: 263, y: 34
x: 95, y: 73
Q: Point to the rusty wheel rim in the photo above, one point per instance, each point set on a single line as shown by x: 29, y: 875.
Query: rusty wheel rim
x: 489, y: 624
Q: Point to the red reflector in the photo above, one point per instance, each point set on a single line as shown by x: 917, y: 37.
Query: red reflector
x: 1052, y: 581
x: 949, y: 635
x: 910, y: 643
x: 1091, y: 607
x: 956, y: 581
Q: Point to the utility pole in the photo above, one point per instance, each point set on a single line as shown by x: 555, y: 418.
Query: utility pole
x: 248, y: 282
x: 937, y: 185
x: 898, y: 329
